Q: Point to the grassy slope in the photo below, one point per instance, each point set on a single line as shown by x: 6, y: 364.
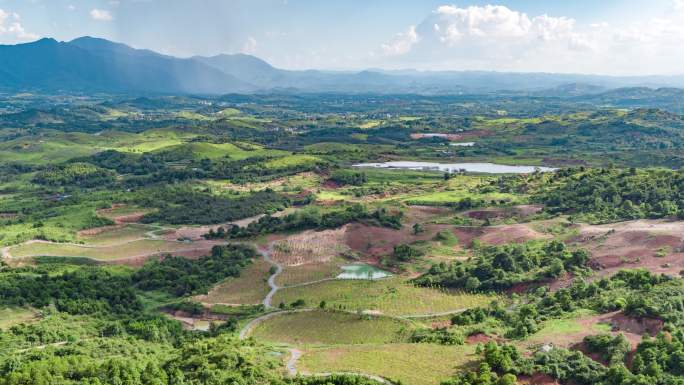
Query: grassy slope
x: 390, y: 296
x: 330, y: 327
x: 412, y: 364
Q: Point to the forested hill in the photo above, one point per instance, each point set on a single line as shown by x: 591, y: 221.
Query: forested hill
x: 90, y: 64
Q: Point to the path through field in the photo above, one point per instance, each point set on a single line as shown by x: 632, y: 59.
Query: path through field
x: 271, y: 280
x: 296, y: 354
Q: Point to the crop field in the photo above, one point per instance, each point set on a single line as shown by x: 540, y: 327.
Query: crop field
x: 249, y: 288
x: 412, y: 364
x: 320, y: 327
x: 310, y: 247
x: 133, y: 249
x: 391, y: 296
x: 310, y: 272
x: 113, y: 235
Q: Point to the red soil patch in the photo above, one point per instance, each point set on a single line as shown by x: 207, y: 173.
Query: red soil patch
x: 632, y: 328
x: 122, y: 218
x: 654, y: 245
x: 128, y: 218
x: 331, y: 184
x: 514, y: 233
x: 521, y: 211
x: 477, y: 338
x: 97, y: 230
x: 417, y: 214
x: 380, y: 241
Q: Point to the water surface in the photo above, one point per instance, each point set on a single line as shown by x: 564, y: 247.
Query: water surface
x: 362, y: 271
x: 488, y: 168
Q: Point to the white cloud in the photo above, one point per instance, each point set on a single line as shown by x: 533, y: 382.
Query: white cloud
x: 495, y: 37
x: 101, y: 15
x: 678, y: 5
x: 11, y: 30
x: 401, y: 43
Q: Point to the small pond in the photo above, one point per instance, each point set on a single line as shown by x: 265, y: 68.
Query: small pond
x: 362, y: 271
x: 488, y: 168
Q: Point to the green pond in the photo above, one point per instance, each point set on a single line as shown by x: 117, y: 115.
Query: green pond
x: 362, y: 271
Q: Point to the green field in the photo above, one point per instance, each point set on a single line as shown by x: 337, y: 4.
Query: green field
x: 291, y: 161
x: 390, y: 296
x: 123, y: 251
x: 301, y: 274
x: 331, y: 328
x: 116, y: 235
x: 250, y: 288
x: 10, y: 316
x: 412, y: 364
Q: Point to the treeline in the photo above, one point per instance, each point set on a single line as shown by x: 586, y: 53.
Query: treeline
x: 656, y: 361
x: 82, y: 291
x: 183, y: 205
x: 311, y: 218
x: 94, y: 290
x: 637, y: 293
x: 607, y: 194
x: 496, y: 268
x: 349, y: 177
x: 75, y: 174
x: 120, y: 361
x: 180, y: 164
x: 180, y: 276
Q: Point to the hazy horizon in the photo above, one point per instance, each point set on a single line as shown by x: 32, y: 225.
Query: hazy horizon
x: 611, y: 38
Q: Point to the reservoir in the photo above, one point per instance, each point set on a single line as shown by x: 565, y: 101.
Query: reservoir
x: 488, y: 168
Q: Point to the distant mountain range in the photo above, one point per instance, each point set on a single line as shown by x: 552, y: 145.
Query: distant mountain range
x: 90, y: 64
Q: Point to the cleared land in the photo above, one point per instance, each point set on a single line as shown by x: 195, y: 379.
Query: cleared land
x: 656, y: 245
x: 310, y: 247
x: 10, y: 316
x: 113, y: 235
x: 331, y: 327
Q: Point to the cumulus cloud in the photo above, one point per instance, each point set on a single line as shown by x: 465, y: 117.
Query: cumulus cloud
x: 401, y: 43
x: 495, y: 37
x: 101, y: 15
x: 11, y: 30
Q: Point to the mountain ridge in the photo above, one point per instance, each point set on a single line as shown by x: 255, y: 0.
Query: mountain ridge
x: 90, y: 64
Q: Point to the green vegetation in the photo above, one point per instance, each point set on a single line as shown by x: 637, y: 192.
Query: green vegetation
x: 496, y: 268
x: 185, y: 206
x: 412, y: 364
x: 390, y: 296
x: 180, y: 276
x: 331, y: 328
x: 310, y: 219
x: 90, y: 182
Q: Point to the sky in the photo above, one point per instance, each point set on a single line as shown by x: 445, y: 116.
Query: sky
x: 613, y: 37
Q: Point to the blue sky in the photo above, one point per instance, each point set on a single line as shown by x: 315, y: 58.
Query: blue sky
x: 606, y: 36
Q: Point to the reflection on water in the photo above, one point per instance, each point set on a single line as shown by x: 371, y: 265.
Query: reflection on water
x: 362, y: 271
